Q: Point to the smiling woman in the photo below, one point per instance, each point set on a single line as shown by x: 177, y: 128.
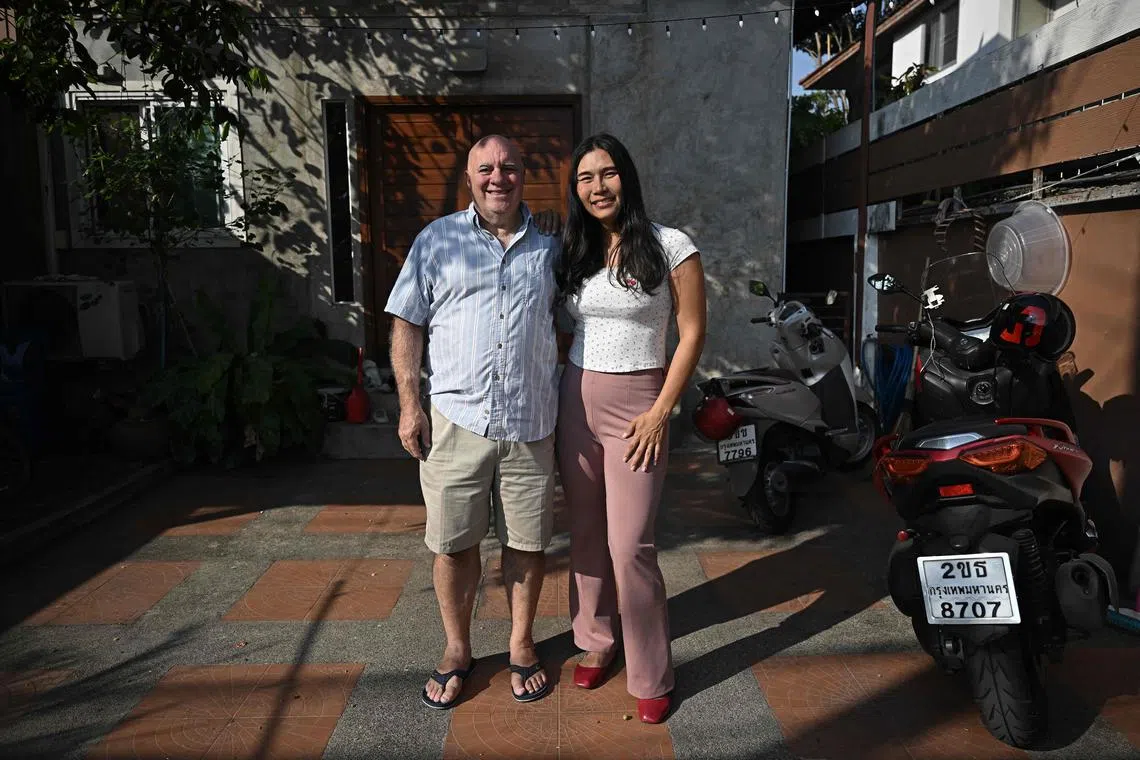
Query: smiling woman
x: 615, y: 401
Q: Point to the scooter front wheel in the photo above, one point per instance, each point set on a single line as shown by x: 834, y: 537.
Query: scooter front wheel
x: 770, y: 502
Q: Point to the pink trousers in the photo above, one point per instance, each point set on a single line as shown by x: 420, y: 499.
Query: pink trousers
x: 616, y: 588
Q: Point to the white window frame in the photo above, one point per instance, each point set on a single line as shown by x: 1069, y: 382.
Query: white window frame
x: 149, y: 97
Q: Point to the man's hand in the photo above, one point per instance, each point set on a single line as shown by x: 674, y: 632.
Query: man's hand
x: 548, y: 222
x: 415, y: 432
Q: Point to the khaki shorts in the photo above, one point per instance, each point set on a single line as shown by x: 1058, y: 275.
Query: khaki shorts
x: 467, y: 476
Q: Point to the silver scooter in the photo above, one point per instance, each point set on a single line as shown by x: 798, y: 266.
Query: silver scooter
x: 782, y: 425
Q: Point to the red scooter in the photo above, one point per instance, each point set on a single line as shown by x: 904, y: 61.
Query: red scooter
x: 996, y: 563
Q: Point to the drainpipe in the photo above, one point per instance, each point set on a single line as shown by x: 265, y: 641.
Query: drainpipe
x: 788, y: 147
x: 864, y: 168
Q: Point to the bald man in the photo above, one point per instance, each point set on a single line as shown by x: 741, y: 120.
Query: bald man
x: 480, y: 284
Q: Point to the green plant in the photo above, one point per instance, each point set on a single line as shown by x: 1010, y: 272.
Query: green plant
x: 165, y: 183
x: 813, y: 118
x: 252, y: 401
x: 187, y: 45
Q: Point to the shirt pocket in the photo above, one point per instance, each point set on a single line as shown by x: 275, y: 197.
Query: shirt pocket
x: 540, y: 287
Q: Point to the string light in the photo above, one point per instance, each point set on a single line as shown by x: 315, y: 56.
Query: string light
x: 269, y: 23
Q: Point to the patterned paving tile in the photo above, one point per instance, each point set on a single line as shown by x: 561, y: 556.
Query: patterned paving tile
x: 788, y: 580
x: 554, y: 601
x: 119, y: 594
x: 212, y: 521
x: 19, y: 691
x: 704, y: 507
x: 1108, y: 680
x: 363, y: 589
x: 875, y: 706
x: 569, y: 723
x: 221, y: 711
x: 399, y: 518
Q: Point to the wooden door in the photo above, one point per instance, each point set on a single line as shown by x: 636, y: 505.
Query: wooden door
x: 417, y: 154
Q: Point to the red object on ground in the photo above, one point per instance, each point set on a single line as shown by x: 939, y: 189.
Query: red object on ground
x: 357, y: 405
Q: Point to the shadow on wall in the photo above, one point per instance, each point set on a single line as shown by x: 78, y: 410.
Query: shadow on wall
x: 284, y: 128
x: 413, y: 171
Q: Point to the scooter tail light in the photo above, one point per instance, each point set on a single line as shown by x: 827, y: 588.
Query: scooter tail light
x: 962, y: 489
x: 902, y: 468
x: 1007, y: 458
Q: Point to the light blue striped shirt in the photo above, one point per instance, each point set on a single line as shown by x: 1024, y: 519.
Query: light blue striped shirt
x: 492, y: 356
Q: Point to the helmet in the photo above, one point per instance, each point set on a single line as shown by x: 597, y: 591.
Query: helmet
x: 1037, y: 322
x: 715, y: 419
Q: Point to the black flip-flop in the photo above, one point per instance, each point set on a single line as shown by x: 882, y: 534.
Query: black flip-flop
x: 442, y: 679
x: 526, y: 671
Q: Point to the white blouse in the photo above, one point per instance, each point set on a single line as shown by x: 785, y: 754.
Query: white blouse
x: 620, y: 330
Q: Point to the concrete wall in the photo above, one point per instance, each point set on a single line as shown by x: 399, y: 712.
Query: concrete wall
x: 703, y: 113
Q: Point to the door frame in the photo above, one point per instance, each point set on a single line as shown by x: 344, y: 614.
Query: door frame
x: 365, y: 106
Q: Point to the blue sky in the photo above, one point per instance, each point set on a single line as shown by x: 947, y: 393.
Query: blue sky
x: 802, y: 65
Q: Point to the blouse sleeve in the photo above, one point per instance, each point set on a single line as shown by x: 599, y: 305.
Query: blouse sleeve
x: 678, y: 246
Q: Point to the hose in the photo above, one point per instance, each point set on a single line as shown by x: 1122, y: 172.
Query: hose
x: 892, y: 366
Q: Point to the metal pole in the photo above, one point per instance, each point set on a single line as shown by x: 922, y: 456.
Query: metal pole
x: 864, y: 166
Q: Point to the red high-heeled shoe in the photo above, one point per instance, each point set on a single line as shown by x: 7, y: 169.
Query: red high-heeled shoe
x: 591, y: 678
x: 654, y: 710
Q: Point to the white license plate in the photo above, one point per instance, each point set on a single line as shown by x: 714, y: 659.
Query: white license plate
x: 968, y: 589
x: 738, y: 447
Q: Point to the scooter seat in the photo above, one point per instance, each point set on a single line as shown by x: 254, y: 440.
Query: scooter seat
x: 775, y: 372
x: 983, y: 426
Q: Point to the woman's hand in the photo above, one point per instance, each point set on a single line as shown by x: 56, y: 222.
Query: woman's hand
x: 645, y: 432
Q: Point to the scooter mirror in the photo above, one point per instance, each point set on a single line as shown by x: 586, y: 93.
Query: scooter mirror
x: 831, y: 296
x: 884, y: 283
x: 758, y: 288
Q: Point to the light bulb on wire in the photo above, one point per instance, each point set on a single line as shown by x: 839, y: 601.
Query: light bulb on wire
x: 740, y: 21
x: 629, y: 30
x: 704, y: 25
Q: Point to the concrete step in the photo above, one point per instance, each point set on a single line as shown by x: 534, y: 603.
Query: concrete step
x: 370, y: 440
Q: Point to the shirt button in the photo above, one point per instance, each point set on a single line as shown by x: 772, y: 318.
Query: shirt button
x: 500, y: 316
x: 502, y: 287
x: 500, y: 345
x: 495, y: 376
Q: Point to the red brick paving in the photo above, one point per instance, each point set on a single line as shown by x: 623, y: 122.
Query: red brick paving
x: 401, y: 518
x: 568, y: 723
x: 212, y: 521
x: 227, y: 711
x: 20, y: 690
x: 119, y: 594
x: 875, y: 706
x: 361, y: 589
x: 787, y: 580
x: 1108, y: 679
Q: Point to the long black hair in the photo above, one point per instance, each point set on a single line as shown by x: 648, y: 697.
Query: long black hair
x: 640, y: 255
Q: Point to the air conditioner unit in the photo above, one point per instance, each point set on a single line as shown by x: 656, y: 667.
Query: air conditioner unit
x: 79, y: 318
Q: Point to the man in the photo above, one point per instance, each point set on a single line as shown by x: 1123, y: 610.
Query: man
x: 480, y: 282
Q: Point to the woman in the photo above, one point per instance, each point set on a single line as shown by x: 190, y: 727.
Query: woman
x: 621, y: 276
